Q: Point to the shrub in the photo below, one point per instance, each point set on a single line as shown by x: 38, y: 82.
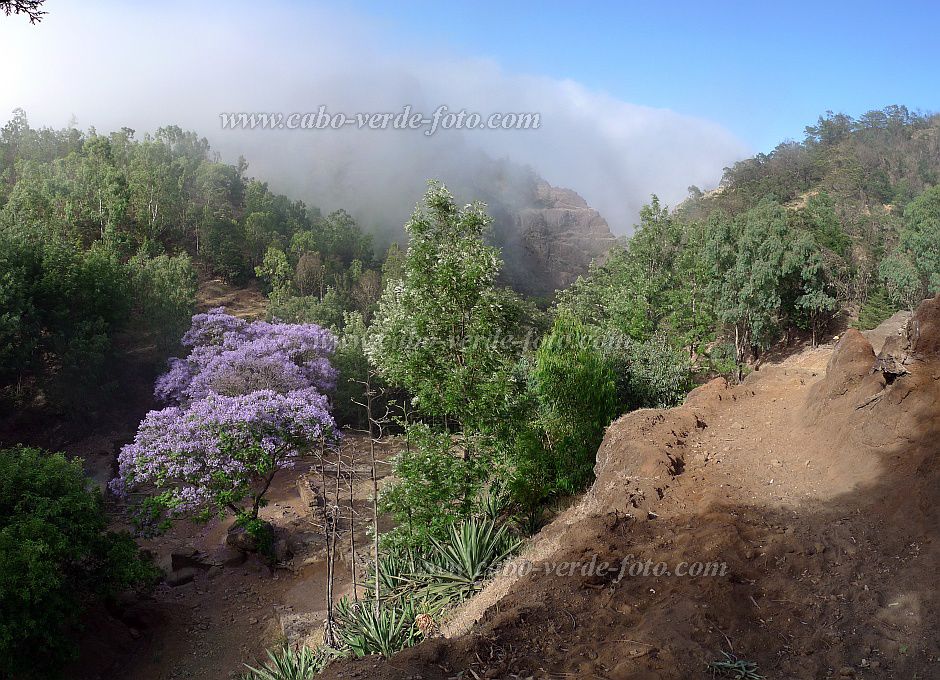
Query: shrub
x: 466, y: 558
x: 877, y: 308
x: 572, y: 397
x: 365, y: 629
x: 56, y: 557
x: 165, y: 292
x: 430, y: 478
x: 289, y: 664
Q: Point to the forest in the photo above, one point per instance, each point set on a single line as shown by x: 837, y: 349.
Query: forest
x: 502, y: 400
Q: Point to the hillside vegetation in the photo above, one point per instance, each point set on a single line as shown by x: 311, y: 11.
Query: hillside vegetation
x: 846, y: 221
x: 499, y: 404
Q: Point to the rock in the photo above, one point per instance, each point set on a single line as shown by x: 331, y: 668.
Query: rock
x: 549, y: 236
x: 227, y: 556
x: 189, y: 558
x: 181, y: 577
x: 214, y: 571
x: 301, y: 628
x: 282, y: 550
x: 849, y: 372
x: 239, y: 539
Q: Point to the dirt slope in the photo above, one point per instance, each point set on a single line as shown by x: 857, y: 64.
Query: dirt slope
x: 815, y: 483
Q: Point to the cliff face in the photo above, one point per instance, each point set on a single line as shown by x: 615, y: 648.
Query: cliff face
x: 549, y: 239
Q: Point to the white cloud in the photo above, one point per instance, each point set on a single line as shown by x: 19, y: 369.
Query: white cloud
x: 116, y: 65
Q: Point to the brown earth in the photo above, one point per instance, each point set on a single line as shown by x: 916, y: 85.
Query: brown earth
x: 815, y: 484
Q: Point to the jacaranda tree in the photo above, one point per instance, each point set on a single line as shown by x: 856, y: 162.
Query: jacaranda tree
x: 248, y: 399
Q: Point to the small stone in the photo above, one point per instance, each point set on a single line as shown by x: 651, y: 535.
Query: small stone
x: 181, y: 577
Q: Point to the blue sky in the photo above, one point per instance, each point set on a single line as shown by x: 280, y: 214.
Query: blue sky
x: 763, y: 70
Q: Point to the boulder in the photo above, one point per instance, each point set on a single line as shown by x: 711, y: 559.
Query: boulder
x: 182, y: 577
x: 239, y: 539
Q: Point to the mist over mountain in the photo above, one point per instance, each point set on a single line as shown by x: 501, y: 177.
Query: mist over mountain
x: 278, y: 59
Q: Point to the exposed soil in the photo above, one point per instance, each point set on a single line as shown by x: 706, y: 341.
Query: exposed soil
x: 815, y: 482
x: 247, y: 302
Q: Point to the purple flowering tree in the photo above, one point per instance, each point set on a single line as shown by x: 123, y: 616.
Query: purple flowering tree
x: 247, y: 401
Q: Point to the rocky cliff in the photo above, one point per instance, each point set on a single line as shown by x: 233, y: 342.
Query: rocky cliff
x: 549, y: 238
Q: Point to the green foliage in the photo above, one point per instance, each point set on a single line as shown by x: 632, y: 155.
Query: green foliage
x: 165, y: 295
x: 852, y: 174
x: 56, y: 557
x: 821, y: 220
x: 276, y: 272
x: 326, y: 312
x: 435, y: 331
x: 353, y: 366
x: 448, y: 335
x: 425, y: 582
x: 877, y: 308
x: 747, y: 261
x: 365, y: 629
x: 902, y: 280
x: 733, y: 667
x: 913, y: 271
x: 654, y: 373
x: 574, y: 388
x: 95, y: 231
x: 428, y: 490
x: 463, y: 560
x: 287, y: 663
x: 261, y: 531
x: 60, y: 306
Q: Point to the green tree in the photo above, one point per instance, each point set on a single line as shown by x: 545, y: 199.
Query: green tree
x: 164, y: 294
x: 445, y: 333
x: 441, y: 332
x: 920, y: 239
x: 747, y: 261
x: 575, y: 394
x: 56, y: 558
x: 276, y: 272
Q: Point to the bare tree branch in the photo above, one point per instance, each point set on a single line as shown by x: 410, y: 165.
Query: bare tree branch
x: 31, y: 8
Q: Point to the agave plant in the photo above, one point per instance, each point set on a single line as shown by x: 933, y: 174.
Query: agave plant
x: 366, y: 629
x: 289, y: 664
x: 401, y: 572
x: 735, y: 668
x: 491, y: 504
x: 461, y: 564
